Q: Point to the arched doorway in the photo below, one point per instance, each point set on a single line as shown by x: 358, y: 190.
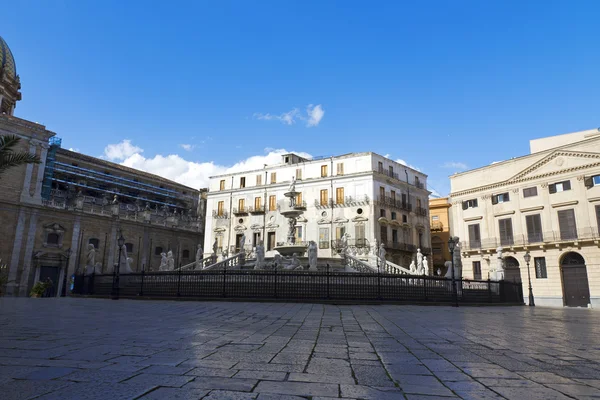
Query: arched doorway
x: 512, y: 270
x: 575, y: 280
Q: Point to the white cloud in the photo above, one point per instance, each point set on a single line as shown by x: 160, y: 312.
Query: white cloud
x: 187, y: 147
x: 455, y: 165
x: 191, y: 173
x: 314, y: 115
x: 401, y: 161
x: 74, y: 150
x: 121, y: 151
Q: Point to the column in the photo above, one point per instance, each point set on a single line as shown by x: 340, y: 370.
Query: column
x: 74, y: 252
x: 28, y: 258
x: 25, y: 196
x: 37, y: 196
x: 11, y: 286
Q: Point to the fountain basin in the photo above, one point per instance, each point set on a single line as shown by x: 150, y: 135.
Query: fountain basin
x: 291, y: 213
x: 289, y: 249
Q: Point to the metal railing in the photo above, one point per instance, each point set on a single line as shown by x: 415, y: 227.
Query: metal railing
x: 239, y: 210
x: 387, y: 201
x: 421, y: 211
x: 582, y: 234
x: 299, y: 286
x: 223, y: 214
x: 256, y: 210
x: 400, y: 246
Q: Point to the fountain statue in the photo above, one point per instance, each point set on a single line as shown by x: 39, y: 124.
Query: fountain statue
x: 497, y: 273
x: 170, y: 261
x: 292, y: 213
x: 163, y: 262
x: 199, y: 257
x: 260, y: 256
x: 91, y: 267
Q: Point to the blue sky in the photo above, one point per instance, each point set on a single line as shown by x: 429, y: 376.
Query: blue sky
x: 443, y: 85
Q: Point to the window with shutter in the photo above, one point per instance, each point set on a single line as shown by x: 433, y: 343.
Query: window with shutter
x: 567, y: 225
x: 272, y: 203
x: 339, y: 195
x: 324, y: 197
x: 598, y: 218
x: 588, y: 181
x: 273, y: 177
x: 381, y: 193
x: 494, y: 199
x: 258, y: 180
x: 534, y: 228
x: 530, y: 192
x: 298, y: 173
x: 506, y: 232
x: 540, y: 267
x: 477, y: 270
x: 464, y: 205
x: 552, y: 188
x: 474, y: 236
x: 559, y: 187
x: 340, y: 169
x: 359, y: 235
x: 383, y: 234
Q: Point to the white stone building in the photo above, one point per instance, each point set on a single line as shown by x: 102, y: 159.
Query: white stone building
x: 547, y: 203
x: 368, y: 196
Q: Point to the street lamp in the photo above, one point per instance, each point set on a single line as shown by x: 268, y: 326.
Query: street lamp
x: 451, y: 245
x: 120, y: 243
x: 527, y: 258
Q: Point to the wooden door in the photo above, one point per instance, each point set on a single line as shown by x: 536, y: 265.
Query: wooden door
x: 576, y: 287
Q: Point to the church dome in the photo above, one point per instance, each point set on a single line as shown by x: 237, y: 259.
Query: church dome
x: 7, y: 61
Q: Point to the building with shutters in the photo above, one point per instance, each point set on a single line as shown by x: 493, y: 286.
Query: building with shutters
x: 368, y: 196
x: 439, y: 210
x: 546, y: 203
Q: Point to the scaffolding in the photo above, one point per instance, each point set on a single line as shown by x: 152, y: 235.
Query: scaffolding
x: 55, y: 144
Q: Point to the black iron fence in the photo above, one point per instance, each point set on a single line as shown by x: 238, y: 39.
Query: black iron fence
x: 298, y: 286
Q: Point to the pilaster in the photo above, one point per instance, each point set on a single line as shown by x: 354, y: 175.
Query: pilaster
x: 11, y: 286
x: 28, y: 256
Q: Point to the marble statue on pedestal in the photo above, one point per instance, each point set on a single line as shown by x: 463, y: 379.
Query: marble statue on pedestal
x: 381, y: 254
x: 215, y: 246
x: 413, y: 268
x: 163, y: 262
x: 242, y: 243
x: 91, y: 267
x: 419, y: 262
x: 425, y: 266
x: 497, y: 273
x: 170, y: 261
x: 199, y: 257
x: 260, y: 256
x: 312, y: 255
x: 457, y: 262
x: 292, y: 187
x: 125, y: 262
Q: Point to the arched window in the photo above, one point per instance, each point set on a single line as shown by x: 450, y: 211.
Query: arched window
x: 95, y: 242
x: 572, y: 258
x: 511, y: 262
x: 158, y: 250
x: 186, y: 254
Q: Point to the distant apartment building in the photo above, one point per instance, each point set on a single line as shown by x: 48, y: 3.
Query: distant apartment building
x: 370, y: 197
x: 439, y: 210
x: 546, y: 203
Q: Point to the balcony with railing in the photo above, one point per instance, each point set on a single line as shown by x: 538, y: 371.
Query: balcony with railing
x: 387, y: 201
x: 391, y: 245
x: 536, y: 239
x: 256, y: 210
x: 421, y: 211
x: 346, y: 201
x: 240, y: 210
x: 220, y: 214
x: 394, y: 175
x: 437, y: 226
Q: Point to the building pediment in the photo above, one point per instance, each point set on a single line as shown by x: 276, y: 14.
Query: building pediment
x: 239, y: 227
x: 323, y: 221
x: 256, y: 227
x: 340, y: 220
x: 557, y: 163
x: 219, y: 229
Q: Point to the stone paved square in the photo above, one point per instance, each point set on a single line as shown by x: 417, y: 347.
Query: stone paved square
x: 69, y: 348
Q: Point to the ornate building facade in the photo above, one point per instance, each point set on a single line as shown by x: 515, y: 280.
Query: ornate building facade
x: 51, y: 212
x: 546, y: 203
x: 367, y: 196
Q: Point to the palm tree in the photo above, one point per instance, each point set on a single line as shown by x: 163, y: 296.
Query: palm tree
x: 10, y: 158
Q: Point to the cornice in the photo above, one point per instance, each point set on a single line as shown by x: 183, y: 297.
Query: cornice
x: 536, y: 208
x: 522, y: 178
x: 501, y: 214
x: 473, y: 218
x: 565, y: 203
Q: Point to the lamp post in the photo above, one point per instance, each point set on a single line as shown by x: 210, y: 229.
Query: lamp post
x: 527, y: 258
x: 63, y: 291
x: 120, y: 243
x: 451, y: 245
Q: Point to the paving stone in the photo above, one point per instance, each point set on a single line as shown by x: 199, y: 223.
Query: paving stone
x: 166, y: 370
x: 233, y: 384
x: 21, y: 390
x: 269, y: 367
x: 366, y: 392
x: 229, y: 395
x: 519, y: 393
x: 98, y: 391
x: 261, y: 375
x: 175, y: 394
x: 298, y: 388
x: 98, y: 376
x: 217, y: 372
x: 371, y: 375
x: 320, y: 378
x: 575, y: 390
x: 160, y: 380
